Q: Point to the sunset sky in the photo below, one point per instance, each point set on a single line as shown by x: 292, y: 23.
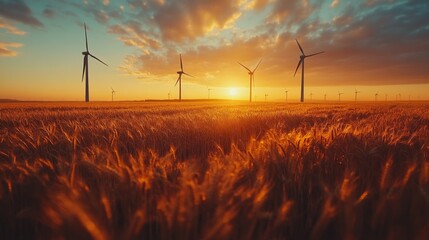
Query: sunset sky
x: 372, y: 45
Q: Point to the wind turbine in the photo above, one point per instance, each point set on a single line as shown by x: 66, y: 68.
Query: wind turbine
x: 301, y: 61
x: 113, y: 92
x: 179, y: 80
x: 208, y: 90
x: 356, y: 93
x: 252, y: 78
x: 376, y: 96
x: 85, y: 66
x: 266, y: 95
x: 286, y: 94
x: 311, y: 96
x: 339, y: 96
x: 325, y: 97
x: 385, y: 97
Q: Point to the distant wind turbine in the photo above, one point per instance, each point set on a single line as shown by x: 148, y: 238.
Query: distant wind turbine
x: 385, y: 97
x: 301, y: 61
x: 179, y: 80
x: 113, y: 92
x: 286, y: 94
x: 169, y: 95
x: 339, y: 96
x: 85, y: 71
x: 266, y: 95
x: 356, y: 94
x: 325, y: 97
x: 252, y: 77
x: 376, y: 97
x: 311, y: 96
x: 208, y: 90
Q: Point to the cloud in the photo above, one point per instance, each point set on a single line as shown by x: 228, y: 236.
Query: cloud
x: 131, y: 34
x: 5, y: 49
x: 20, y: 12
x: 101, y: 16
x: 49, y: 13
x: 335, y: 3
x: 382, y: 43
x: 11, y: 29
x: 178, y: 21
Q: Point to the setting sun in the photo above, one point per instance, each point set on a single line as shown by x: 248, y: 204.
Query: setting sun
x: 233, y: 92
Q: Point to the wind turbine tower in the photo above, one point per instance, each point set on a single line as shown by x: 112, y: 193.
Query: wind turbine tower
x: 301, y: 61
x: 113, y: 92
x: 208, y: 90
x: 179, y: 80
x: 85, y: 71
x: 356, y: 94
x: 252, y: 77
x: 286, y: 94
x: 339, y: 96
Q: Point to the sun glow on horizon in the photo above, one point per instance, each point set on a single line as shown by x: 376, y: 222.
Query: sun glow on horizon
x: 232, y: 91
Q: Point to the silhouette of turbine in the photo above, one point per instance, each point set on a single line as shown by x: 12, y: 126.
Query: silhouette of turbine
x: 356, y: 93
x: 208, y: 91
x: 339, y: 96
x: 179, y: 80
x: 301, y: 61
x: 85, y: 66
x: 252, y: 78
x: 113, y: 92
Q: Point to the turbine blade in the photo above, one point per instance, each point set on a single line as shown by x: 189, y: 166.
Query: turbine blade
x: 257, y: 65
x: 97, y: 59
x: 296, y: 70
x: 181, y: 64
x: 244, y: 66
x: 300, y: 48
x: 314, y: 54
x: 180, y: 76
x: 86, y: 38
x: 188, y: 74
x: 84, y: 66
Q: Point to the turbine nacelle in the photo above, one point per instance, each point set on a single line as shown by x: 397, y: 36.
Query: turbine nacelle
x: 85, y: 53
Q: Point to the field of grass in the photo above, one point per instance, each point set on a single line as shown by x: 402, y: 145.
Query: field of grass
x: 214, y: 170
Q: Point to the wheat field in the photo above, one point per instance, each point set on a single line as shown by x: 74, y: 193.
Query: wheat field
x: 214, y: 170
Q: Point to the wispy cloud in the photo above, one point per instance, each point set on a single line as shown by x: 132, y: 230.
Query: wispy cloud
x: 335, y: 3
x: 5, y: 50
x: 10, y: 28
x: 49, y: 13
